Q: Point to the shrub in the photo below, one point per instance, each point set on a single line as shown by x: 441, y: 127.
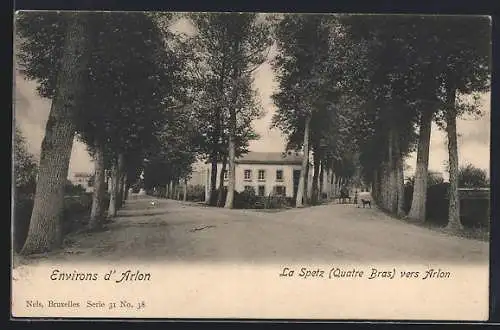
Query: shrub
x: 196, y: 193
x: 73, y: 190
x: 23, y: 206
x: 245, y: 199
x: 473, y: 212
x: 470, y: 176
x: 75, y: 215
x: 275, y: 202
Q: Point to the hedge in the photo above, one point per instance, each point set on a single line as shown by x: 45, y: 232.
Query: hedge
x: 473, y: 212
x: 75, y: 215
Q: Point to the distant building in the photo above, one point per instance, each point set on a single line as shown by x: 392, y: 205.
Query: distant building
x: 82, y: 179
x: 267, y: 173
x: 198, y: 176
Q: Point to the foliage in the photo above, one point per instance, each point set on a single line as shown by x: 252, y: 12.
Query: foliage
x: 212, y: 65
x: 73, y: 190
x: 25, y: 168
x: 474, y: 213
x: 75, y: 214
x: 245, y: 199
x: 470, y: 176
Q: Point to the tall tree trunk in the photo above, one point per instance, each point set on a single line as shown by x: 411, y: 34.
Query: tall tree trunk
x: 334, y: 184
x: 221, y: 181
x: 375, y: 194
x: 171, y: 189
x: 113, y: 194
x: 125, y: 188
x: 315, y: 183
x: 45, y: 229
x: 302, y: 189
x: 328, y: 185
x: 307, y: 192
x: 393, y: 194
x: 121, y: 172
x: 232, y: 158
x: 417, y: 210
x: 399, y: 176
x: 184, y: 196
x: 401, y: 187
x: 451, y: 129
x: 97, y: 210
x: 213, y: 181
x: 322, y: 179
x: 178, y: 190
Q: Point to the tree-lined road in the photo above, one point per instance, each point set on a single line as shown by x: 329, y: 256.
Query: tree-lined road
x: 177, y: 231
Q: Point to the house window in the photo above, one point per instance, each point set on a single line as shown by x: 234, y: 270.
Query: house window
x: 262, y: 175
x: 279, y: 175
x: 280, y: 190
x: 248, y: 175
x: 262, y: 190
x: 248, y: 188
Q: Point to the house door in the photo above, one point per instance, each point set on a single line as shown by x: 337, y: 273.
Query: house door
x: 296, y: 178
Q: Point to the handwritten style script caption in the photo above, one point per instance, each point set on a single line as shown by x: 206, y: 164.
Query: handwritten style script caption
x: 112, y: 275
x: 371, y: 273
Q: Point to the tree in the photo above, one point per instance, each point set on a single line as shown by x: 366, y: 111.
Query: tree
x: 464, y: 69
x: 230, y: 47
x: 386, y: 89
x: 45, y: 226
x: 470, y: 176
x: 126, y: 99
x: 25, y: 169
x: 305, y: 83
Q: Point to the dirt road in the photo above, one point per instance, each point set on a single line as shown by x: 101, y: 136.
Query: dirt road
x: 177, y: 231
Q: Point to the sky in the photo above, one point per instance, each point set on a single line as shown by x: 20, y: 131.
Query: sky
x: 31, y: 113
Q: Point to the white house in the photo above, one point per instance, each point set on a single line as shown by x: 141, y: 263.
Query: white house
x: 267, y: 172
x: 82, y: 179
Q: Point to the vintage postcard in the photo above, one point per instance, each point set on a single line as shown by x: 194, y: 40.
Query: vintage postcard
x: 251, y: 166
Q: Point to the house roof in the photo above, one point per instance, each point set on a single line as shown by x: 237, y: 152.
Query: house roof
x: 285, y: 158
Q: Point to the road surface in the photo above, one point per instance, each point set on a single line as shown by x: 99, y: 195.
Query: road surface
x: 176, y: 231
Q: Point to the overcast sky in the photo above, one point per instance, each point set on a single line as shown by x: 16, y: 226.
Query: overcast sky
x: 31, y: 113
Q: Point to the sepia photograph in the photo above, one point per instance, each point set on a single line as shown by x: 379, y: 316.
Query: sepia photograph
x: 251, y: 165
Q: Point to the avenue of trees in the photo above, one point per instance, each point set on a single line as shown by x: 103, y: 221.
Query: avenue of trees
x: 357, y: 93
x: 357, y: 89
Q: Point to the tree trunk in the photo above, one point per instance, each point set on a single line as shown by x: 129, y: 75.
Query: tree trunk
x: 213, y: 181
x: 315, y: 183
x: 307, y: 193
x: 177, y: 186
x: 171, y: 189
x: 166, y: 189
x: 97, y: 211
x: 334, y: 184
x: 125, y: 188
x: 302, y: 189
x: 417, y: 210
x: 401, y: 188
x: 322, y: 179
x: 375, y: 179
x: 451, y: 129
x: 113, y: 194
x: 392, y: 184
x: 399, y: 177
x: 45, y: 229
x: 184, y: 196
x: 221, y: 182
x: 121, y: 171
x: 232, y: 158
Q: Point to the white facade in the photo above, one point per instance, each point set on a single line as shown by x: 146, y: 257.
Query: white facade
x: 81, y: 179
x: 199, y: 175
x: 268, y: 181
x: 271, y: 175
